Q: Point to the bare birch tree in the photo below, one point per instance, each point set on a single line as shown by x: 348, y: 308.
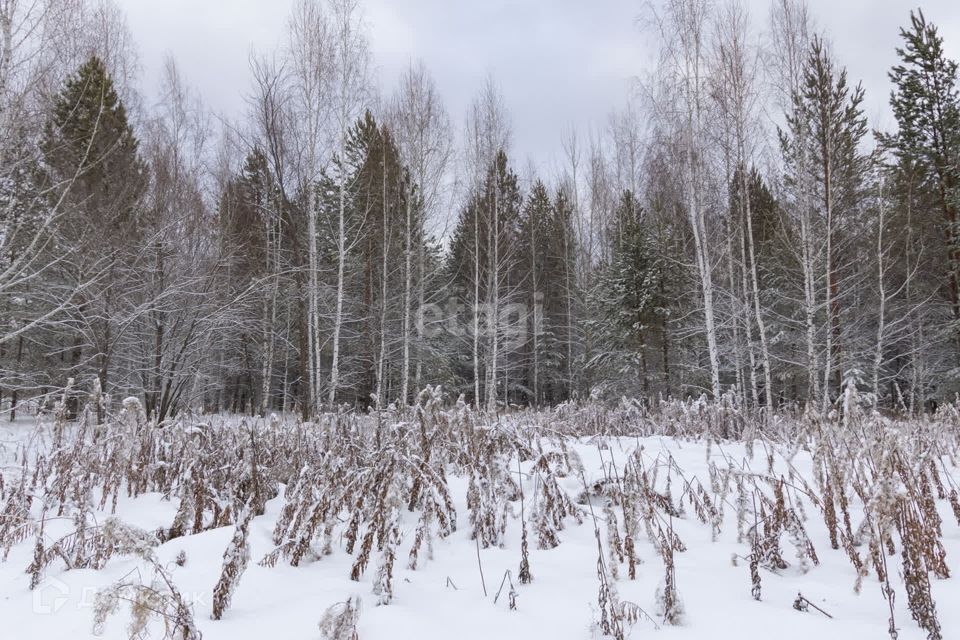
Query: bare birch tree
x: 736, y: 92
x: 350, y: 92
x: 422, y: 130
x: 682, y: 28
x: 488, y: 134
x: 310, y: 58
x: 790, y: 35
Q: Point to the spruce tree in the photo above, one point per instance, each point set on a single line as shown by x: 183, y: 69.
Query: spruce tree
x: 534, y: 271
x: 627, y: 304
x: 95, y: 169
x: 379, y: 193
x: 563, y: 304
x: 247, y: 221
x: 92, y: 153
x: 482, y: 267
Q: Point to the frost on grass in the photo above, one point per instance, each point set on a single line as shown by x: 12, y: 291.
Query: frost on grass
x: 382, y: 495
x: 155, y: 604
x: 339, y: 621
x: 235, y: 560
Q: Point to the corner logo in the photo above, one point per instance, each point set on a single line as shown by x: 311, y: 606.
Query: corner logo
x: 50, y: 596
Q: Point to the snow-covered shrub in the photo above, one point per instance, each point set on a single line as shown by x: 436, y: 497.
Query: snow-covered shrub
x: 158, y: 602
x: 235, y: 560
x: 339, y: 621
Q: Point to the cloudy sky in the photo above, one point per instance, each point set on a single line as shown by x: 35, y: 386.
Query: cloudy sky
x: 558, y: 62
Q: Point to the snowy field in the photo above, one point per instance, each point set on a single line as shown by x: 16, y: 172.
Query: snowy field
x: 746, y: 527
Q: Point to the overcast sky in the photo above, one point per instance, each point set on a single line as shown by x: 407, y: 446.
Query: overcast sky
x: 558, y: 62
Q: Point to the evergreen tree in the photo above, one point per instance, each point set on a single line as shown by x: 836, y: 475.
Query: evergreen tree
x: 627, y: 305
x: 482, y: 266
x: 380, y: 192
x: 247, y: 226
x: 92, y: 156
x: 926, y: 106
x: 534, y: 271
x: 766, y: 227
x: 827, y: 171
x: 561, y: 301
x: 345, y: 275
x: 753, y: 228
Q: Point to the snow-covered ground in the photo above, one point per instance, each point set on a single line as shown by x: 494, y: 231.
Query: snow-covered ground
x: 446, y: 596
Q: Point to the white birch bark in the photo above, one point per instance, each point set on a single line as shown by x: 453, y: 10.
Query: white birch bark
x: 310, y: 61
x: 422, y: 130
x: 351, y: 57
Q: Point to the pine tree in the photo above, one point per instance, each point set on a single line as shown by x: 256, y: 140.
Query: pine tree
x: 926, y: 106
x: 825, y: 165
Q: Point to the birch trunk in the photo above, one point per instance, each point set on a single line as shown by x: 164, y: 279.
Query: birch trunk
x: 269, y: 319
x: 341, y: 264
x: 881, y: 303
x: 476, y: 310
x: 758, y: 315
x: 313, y: 321
x: 381, y: 357
x: 494, y: 310
x: 690, y: 17
x: 827, y: 151
x: 405, y: 369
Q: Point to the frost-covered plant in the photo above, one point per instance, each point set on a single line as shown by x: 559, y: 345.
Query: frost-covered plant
x: 158, y: 601
x: 879, y: 485
x: 91, y: 545
x: 670, y: 607
x: 16, y: 523
x: 383, y: 583
x: 609, y: 612
x: 552, y: 505
x: 339, y: 621
x: 235, y: 560
x: 489, y: 493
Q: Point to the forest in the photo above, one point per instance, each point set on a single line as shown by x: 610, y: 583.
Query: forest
x: 348, y: 366
x: 739, y: 227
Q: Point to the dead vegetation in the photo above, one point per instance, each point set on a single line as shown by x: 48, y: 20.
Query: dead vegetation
x: 352, y: 484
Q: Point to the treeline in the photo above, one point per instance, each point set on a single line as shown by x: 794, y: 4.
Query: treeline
x: 737, y: 227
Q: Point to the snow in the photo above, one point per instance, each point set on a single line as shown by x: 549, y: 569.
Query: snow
x: 444, y: 597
